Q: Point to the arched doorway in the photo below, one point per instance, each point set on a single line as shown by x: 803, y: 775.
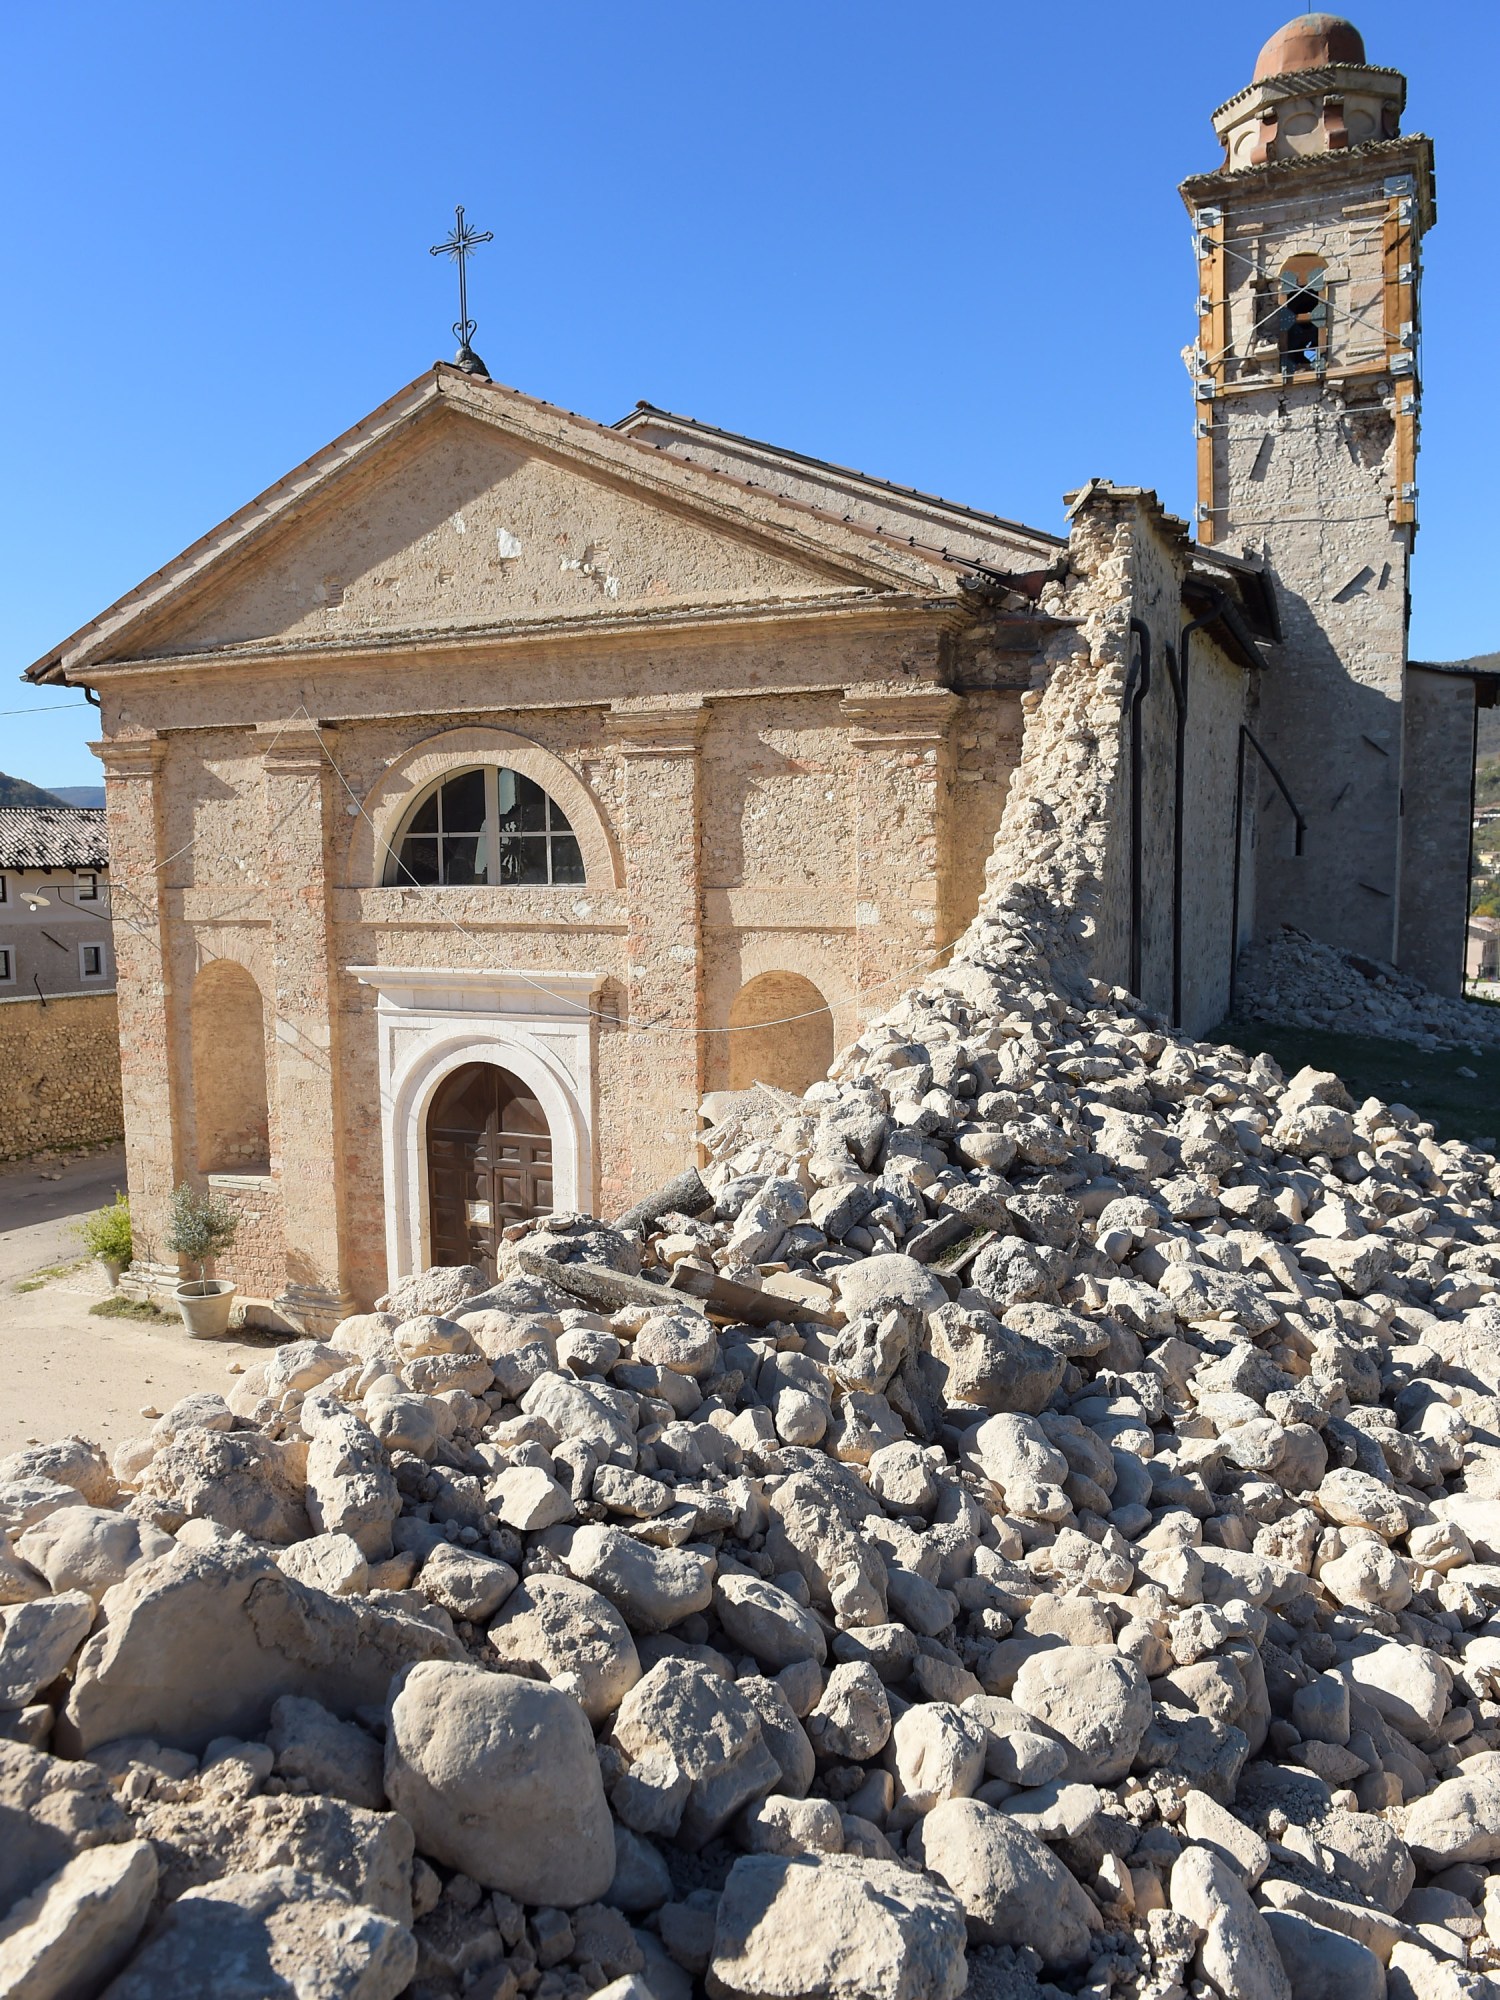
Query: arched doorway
x: 489, y: 1162
x: 781, y: 1033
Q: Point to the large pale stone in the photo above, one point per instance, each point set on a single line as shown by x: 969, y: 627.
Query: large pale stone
x: 1457, y: 1821
x: 50, y: 1810
x: 829, y: 1927
x: 569, y: 1633
x: 351, y: 1489
x: 498, y: 1778
x: 1238, y: 1954
x: 37, y: 1640
x: 147, y: 1672
x: 368, y: 1855
x: 76, y: 1930
x: 1097, y: 1701
x: 654, y: 1588
x: 683, y: 1713
x: 89, y: 1548
x: 277, y: 1935
x: 245, y: 1482
x: 767, y: 1622
x: 1013, y: 1888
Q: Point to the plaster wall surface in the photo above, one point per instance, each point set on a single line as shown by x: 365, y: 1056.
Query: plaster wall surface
x: 47, y: 917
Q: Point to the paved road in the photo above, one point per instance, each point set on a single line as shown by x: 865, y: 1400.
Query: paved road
x: 37, y: 1213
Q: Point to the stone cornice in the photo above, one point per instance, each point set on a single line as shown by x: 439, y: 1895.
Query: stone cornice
x: 885, y: 718
x: 670, y: 727
x: 717, y: 624
x: 130, y: 756
x: 1351, y: 163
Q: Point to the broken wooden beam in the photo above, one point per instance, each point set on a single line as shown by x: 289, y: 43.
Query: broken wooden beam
x: 596, y: 1285
x: 725, y: 1298
x: 686, y: 1195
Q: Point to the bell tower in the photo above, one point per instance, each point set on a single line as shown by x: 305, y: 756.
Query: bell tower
x: 1307, y: 393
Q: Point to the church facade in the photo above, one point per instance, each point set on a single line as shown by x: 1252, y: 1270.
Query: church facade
x: 501, y: 784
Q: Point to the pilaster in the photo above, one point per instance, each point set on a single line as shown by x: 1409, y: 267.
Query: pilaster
x: 903, y: 798
x: 308, y: 1161
x: 659, y: 743
x: 149, y: 1024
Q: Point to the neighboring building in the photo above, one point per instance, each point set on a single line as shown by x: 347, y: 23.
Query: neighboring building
x: 59, y: 1040
x: 1483, y: 959
x: 499, y: 783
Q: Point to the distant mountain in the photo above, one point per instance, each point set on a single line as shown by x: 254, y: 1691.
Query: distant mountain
x: 79, y: 795
x: 16, y: 792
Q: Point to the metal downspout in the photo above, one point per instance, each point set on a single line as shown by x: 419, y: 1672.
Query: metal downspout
x: 1137, y: 687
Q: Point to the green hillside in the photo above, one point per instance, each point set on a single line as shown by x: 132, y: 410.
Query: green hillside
x: 16, y: 792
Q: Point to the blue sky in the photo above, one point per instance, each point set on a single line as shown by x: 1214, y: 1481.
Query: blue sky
x: 943, y: 244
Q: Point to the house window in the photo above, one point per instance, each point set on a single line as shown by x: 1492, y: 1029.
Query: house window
x: 490, y: 826
x: 88, y: 887
x: 7, y: 966
x: 4, y: 890
x: 91, y: 961
x: 1304, y: 316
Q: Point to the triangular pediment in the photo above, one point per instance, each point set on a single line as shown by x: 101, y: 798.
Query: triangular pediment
x: 475, y: 510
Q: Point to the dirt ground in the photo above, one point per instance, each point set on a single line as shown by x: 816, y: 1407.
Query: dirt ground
x: 67, y: 1371
x: 63, y: 1368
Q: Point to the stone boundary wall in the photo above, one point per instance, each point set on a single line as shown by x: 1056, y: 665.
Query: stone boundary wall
x: 59, y: 1074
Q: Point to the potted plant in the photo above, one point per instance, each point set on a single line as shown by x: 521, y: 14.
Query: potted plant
x: 200, y: 1227
x: 106, y: 1236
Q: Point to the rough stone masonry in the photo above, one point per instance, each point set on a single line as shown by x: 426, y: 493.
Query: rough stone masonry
x: 1028, y: 1523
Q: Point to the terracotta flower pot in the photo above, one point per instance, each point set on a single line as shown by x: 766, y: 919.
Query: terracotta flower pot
x: 205, y: 1305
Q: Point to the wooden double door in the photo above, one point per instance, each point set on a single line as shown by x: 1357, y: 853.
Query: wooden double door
x: 489, y: 1163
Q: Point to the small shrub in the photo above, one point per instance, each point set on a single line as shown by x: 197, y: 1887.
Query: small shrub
x: 201, y: 1226
x: 106, y: 1233
x: 119, y: 1307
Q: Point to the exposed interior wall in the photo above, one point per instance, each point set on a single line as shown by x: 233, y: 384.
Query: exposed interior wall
x: 781, y: 1033
x: 1437, y: 773
x: 59, y: 1074
x: 230, y: 1096
x: 1129, y: 563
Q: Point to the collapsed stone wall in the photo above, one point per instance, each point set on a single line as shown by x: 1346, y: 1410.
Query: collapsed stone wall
x: 1061, y: 1559
x: 59, y: 1074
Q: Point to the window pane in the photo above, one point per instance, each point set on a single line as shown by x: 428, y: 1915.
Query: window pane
x: 533, y: 806
x: 559, y: 819
x: 461, y: 859
x: 567, y: 861
x: 463, y: 803
x: 418, y: 861
x: 523, y: 858
x: 425, y: 818
x: 505, y: 793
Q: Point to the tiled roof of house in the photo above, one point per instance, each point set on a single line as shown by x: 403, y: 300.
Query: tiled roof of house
x: 53, y: 837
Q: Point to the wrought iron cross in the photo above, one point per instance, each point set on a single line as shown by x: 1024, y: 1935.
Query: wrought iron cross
x: 459, y: 242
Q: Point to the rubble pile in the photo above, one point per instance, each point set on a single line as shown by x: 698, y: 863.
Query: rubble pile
x: 1293, y: 978
x: 1027, y: 1520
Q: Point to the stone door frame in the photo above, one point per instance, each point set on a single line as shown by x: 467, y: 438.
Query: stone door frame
x: 432, y: 1020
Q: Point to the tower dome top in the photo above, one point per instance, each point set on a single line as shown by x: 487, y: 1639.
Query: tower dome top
x: 1311, y: 41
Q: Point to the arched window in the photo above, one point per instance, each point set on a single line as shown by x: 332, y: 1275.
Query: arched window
x: 487, y: 826
x: 1304, y: 316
